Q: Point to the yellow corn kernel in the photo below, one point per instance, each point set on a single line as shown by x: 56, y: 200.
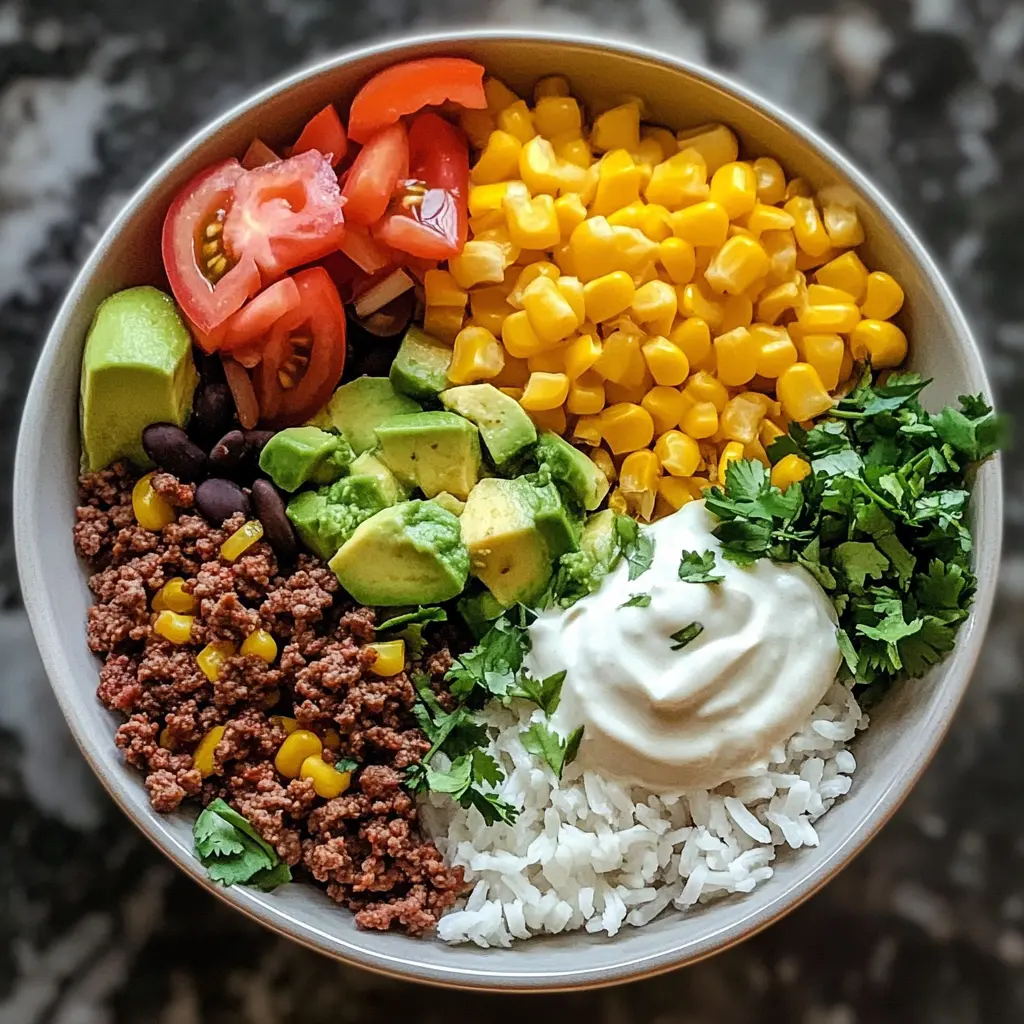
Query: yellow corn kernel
x: 737, y: 311
x: 706, y: 387
x: 260, y: 644
x: 478, y: 125
x: 768, y: 218
x: 556, y: 116
x: 538, y: 167
x: 562, y: 256
x: 608, y: 296
x: 666, y: 406
x: 549, y: 419
x: 697, y: 300
x: 775, y: 350
x: 571, y: 212
x: 741, y: 419
x: 618, y: 183
x: 629, y: 216
x: 771, y: 180
x: 810, y: 233
x: 797, y: 187
x: 790, y: 469
x: 328, y: 782
x: 632, y: 392
x: 693, y: 337
x: 601, y: 458
x: 498, y: 95
x: 880, y: 341
x: 678, y: 181
x: 621, y: 360
x: 530, y: 273
x: 514, y: 393
x: 545, y: 391
x: 655, y: 303
x: 663, y: 137
x: 552, y: 316
x: 593, y: 247
x: 173, y: 596
x: 648, y: 153
x: 626, y: 427
x: 174, y: 626
x: 768, y: 432
x: 847, y: 273
x: 737, y: 265
x: 514, y: 374
x: 587, y: 430
x: 675, y: 492
x: 499, y: 160
x: 289, y: 725
x: 441, y: 289
x: 618, y: 128
x: 484, y: 199
x: 717, y: 144
x: 581, y: 353
x: 241, y: 540
x: 489, y: 307
x: 702, y: 224
x: 165, y: 739
x: 586, y: 395
x: 477, y: 356
x: 883, y: 297
x: 152, y: 512
x: 638, y: 482
x: 677, y: 257
x: 532, y: 223
x: 837, y: 317
x: 801, y: 392
x: 666, y: 361
x: 842, y: 225
x: 202, y: 756
x: 700, y: 420
x: 551, y: 360
x: 617, y: 503
x: 551, y: 87
x: 634, y: 251
x: 572, y: 291
x: 734, y: 186
x: 478, y: 263
x: 443, y: 322
x: 826, y: 294
x: 782, y: 252
x: 573, y: 149
x: 805, y: 262
x: 731, y: 453
x: 519, y: 337
x: 486, y: 221
x: 517, y: 120
x: 390, y: 657
x: 296, y: 748
x: 825, y: 353
x: 736, y: 356
x: 679, y: 453
x: 213, y: 657
x: 775, y: 302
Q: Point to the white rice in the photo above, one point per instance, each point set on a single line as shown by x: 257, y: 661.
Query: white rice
x: 589, y: 852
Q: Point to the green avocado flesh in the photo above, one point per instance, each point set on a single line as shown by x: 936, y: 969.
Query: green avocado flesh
x: 301, y: 455
x: 434, y: 451
x: 391, y: 487
x: 411, y: 553
x: 505, y: 428
x: 420, y: 369
x: 137, y: 369
x: 359, y: 406
x: 326, y: 518
x: 571, y: 470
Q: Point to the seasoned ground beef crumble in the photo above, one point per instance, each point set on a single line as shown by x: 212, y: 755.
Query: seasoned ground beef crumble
x: 364, y: 845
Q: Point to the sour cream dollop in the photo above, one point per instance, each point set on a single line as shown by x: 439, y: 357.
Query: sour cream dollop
x: 712, y: 711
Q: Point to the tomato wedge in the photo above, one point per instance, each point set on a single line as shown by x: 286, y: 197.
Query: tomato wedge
x: 304, y: 355
x: 325, y: 133
x: 286, y: 214
x: 381, y: 164
x: 209, y: 283
x: 258, y: 315
x: 405, y: 88
x: 435, y: 228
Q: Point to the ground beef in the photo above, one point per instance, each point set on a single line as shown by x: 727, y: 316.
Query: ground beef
x: 364, y: 846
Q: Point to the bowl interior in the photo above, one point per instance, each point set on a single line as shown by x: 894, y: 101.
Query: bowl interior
x: 905, y: 729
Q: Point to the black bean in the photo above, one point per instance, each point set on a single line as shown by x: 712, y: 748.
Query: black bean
x: 219, y: 499
x: 172, y: 449
x: 211, y: 369
x: 256, y: 440
x: 277, y: 528
x: 213, y: 411
x: 227, y: 453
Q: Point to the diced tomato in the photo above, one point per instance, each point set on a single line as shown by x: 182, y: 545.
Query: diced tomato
x: 286, y: 214
x: 365, y: 252
x: 208, y: 282
x: 259, y: 154
x: 371, y: 180
x: 405, y: 88
x: 258, y: 315
x: 436, y: 228
x: 325, y: 133
x: 304, y: 355
x: 342, y: 270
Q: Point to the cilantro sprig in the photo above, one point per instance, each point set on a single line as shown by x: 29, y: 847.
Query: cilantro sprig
x: 233, y: 852
x: 636, y: 545
x: 697, y: 568
x: 409, y: 626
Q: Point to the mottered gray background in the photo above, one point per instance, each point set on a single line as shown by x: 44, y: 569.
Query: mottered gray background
x: 926, y: 926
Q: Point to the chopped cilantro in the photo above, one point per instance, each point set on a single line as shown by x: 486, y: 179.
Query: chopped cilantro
x: 637, y: 545
x: 637, y: 601
x: 543, y: 742
x: 545, y: 693
x: 686, y: 635
x: 695, y: 568
x: 233, y: 852
x: 410, y: 625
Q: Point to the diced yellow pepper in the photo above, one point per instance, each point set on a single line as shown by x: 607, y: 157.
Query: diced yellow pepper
x: 441, y: 289
x: 519, y: 337
x: 842, y: 225
x: 678, y: 181
x: 706, y: 387
x: 655, y: 303
x: 152, y: 512
x: 694, y: 338
x: 731, y: 453
x: 679, y: 453
x: 545, y: 391
x: 790, y: 469
x: 801, y: 392
x: 202, y: 756
x: 608, y: 296
x: 825, y: 353
x: 390, y: 658
x: 734, y: 186
x: 847, y: 273
x: 499, y: 161
x: 810, y: 233
x: 477, y: 355
x: 776, y: 350
x: 666, y: 406
x: 571, y: 212
x: 741, y: 418
x: 883, y: 297
x: 296, y: 747
x: 737, y: 265
x: 771, y: 180
x: 174, y: 627
x: 443, y: 322
x: 489, y: 307
x: 241, y: 540
x: 328, y: 782
x: 736, y: 356
x: 173, y: 596
x: 587, y: 430
x: 618, y: 128
x: 700, y: 420
x: 702, y: 224
x: 618, y: 183
x: 517, y: 120
x: 260, y: 644
x: 478, y: 263
x: 586, y: 395
x: 213, y: 657
x: 626, y: 427
x: 638, y: 482
x: 552, y: 316
x: 838, y: 318
x: 558, y: 116
x: 716, y: 143
x: 880, y: 341
x: 581, y: 353
x: 666, y: 361
x: 532, y: 223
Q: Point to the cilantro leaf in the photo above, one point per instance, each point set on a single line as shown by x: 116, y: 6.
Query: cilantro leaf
x: 346, y: 764
x: 491, y: 666
x: 543, y: 742
x: 686, y: 635
x: 695, y: 568
x: 973, y: 430
x: 637, y: 601
x: 485, y: 768
x: 233, y: 853
x: 545, y: 693
x: 424, y: 614
x: 860, y: 559
x: 270, y: 878
x: 637, y: 545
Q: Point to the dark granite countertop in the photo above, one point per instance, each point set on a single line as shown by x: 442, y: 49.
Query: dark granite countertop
x: 926, y: 926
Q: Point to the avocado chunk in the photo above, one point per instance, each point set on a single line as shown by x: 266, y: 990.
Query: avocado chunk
x: 454, y: 505
x: 411, y: 553
x: 324, y: 519
x: 599, y: 540
x: 420, y: 368
x: 305, y: 455
x: 358, y: 407
x: 558, y: 526
x: 505, y: 427
x: 391, y: 487
x: 137, y: 369
x: 571, y: 470
x: 507, y: 550
x: 479, y: 612
x: 434, y: 451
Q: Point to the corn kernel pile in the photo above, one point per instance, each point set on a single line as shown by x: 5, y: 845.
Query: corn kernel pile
x: 647, y: 294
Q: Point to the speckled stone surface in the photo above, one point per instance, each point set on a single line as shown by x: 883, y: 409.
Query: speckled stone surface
x: 926, y: 926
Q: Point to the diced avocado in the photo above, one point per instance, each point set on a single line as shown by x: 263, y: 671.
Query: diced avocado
x: 137, y: 369
x: 435, y: 451
x: 357, y: 407
x: 420, y: 368
x: 479, y: 612
x: 505, y: 427
x: 560, y: 529
x: 408, y: 554
x: 305, y: 455
x: 507, y: 550
x: 599, y: 541
x: 571, y: 470
x: 393, y: 488
x: 450, y: 502
x: 326, y: 518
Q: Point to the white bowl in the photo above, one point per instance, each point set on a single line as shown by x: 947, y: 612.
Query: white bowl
x: 906, y: 729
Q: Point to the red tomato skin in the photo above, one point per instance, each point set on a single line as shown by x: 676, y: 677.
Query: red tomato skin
x: 286, y: 214
x: 376, y: 171
x: 259, y: 314
x: 325, y: 133
x: 259, y: 154
x: 203, y: 303
x: 405, y: 88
